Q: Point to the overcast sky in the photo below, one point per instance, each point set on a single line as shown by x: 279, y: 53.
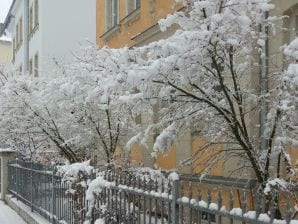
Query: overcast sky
x: 4, y: 7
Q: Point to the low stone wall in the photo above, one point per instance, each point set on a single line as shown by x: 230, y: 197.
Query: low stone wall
x: 24, y: 211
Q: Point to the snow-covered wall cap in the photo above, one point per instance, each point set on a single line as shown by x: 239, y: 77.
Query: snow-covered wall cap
x: 173, y: 176
x: 7, y: 150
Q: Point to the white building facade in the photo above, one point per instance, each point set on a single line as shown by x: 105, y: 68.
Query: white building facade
x: 43, y: 30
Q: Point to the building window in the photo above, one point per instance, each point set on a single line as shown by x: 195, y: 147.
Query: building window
x: 13, y: 48
x: 31, y: 20
x: 133, y: 5
x: 21, y: 29
x: 17, y: 34
x: 36, y: 65
x: 112, y: 13
x: 36, y: 15
x: 30, y: 67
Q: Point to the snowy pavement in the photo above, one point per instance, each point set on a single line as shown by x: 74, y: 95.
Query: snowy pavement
x: 9, y: 216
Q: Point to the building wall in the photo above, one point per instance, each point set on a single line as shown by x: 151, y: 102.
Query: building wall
x: 66, y: 25
x: 60, y: 32
x: 5, y: 53
x: 150, y: 12
x: 139, y: 28
x: 17, y: 13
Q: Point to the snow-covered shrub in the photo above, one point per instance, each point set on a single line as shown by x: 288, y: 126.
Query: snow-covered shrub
x: 76, y: 177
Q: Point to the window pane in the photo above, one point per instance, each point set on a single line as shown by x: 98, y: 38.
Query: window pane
x: 36, y: 65
x: 21, y: 30
x: 115, y: 12
x: 36, y: 17
x: 130, y: 6
x: 109, y: 12
x: 30, y: 67
x: 31, y: 19
x: 138, y: 3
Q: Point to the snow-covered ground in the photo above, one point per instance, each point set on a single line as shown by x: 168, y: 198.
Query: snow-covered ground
x: 9, y: 216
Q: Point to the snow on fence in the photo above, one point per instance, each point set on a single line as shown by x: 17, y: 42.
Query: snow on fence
x: 121, y: 196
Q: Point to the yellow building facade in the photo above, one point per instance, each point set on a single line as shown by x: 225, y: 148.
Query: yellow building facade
x: 130, y: 23
x: 5, y: 53
x: 135, y: 22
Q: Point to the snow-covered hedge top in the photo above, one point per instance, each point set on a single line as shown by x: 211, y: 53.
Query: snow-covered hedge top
x: 71, y: 172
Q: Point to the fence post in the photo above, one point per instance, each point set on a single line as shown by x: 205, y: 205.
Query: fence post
x: 175, y: 196
x: 5, y: 155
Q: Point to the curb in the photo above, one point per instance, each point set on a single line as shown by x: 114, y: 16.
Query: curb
x: 24, y: 211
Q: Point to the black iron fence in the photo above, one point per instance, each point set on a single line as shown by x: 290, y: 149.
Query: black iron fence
x: 38, y: 187
x: 132, y: 199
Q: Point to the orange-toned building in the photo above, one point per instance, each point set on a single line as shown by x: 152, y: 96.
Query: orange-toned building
x: 131, y: 22
x: 135, y: 23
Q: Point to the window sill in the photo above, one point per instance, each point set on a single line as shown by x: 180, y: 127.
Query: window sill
x: 110, y: 33
x: 33, y: 31
x: 131, y: 17
x: 18, y: 46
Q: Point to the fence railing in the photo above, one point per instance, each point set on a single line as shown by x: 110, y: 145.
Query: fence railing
x: 130, y: 199
x: 38, y: 187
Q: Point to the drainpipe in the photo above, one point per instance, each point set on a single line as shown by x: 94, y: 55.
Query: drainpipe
x: 26, y: 37
x: 264, y: 85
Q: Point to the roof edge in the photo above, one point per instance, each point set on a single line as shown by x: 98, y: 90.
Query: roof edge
x: 7, y: 19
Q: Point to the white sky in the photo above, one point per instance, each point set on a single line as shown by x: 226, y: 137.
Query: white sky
x: 4, y: 7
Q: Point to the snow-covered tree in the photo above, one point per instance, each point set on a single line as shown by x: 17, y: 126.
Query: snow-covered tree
x: 201, y: 78
x: 72, y: 107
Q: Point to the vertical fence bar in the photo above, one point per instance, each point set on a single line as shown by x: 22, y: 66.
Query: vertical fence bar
x: 53, y: 196
x: 162, y: 202
x: 219, y: 203
x: 150, y: 201
x: 31, y: 169
x: 169, y: 202
x: 139, y: 201
x: 17, y: 180
x: 189, y: 202
x: 231, y: 205
x: 199, y: 209
x: 208, y: 203
x: 144, y: 197
x: 175, y: 196
x: 155, y: 201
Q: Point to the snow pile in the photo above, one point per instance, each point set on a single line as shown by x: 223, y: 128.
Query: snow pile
x: 173, y: 176
x: 203, y: 204
x: 213, y: 206
x: 264, y: 217
x: 99, y: 221
x: 96, y: 186
x: 276, y: 183
x: 292, y: 49
x: 236, y: 212
x: 250, y: 214
x: 74, y: 172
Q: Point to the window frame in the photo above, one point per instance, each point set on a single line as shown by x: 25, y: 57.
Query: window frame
x: 21, y: 29
x: 36, y: 65
x: 17, y: 35
x: 36, y: 13
x: 114, y: 15
x: 136, y: 5
x: 31, y: 22
x: 31, y: 66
